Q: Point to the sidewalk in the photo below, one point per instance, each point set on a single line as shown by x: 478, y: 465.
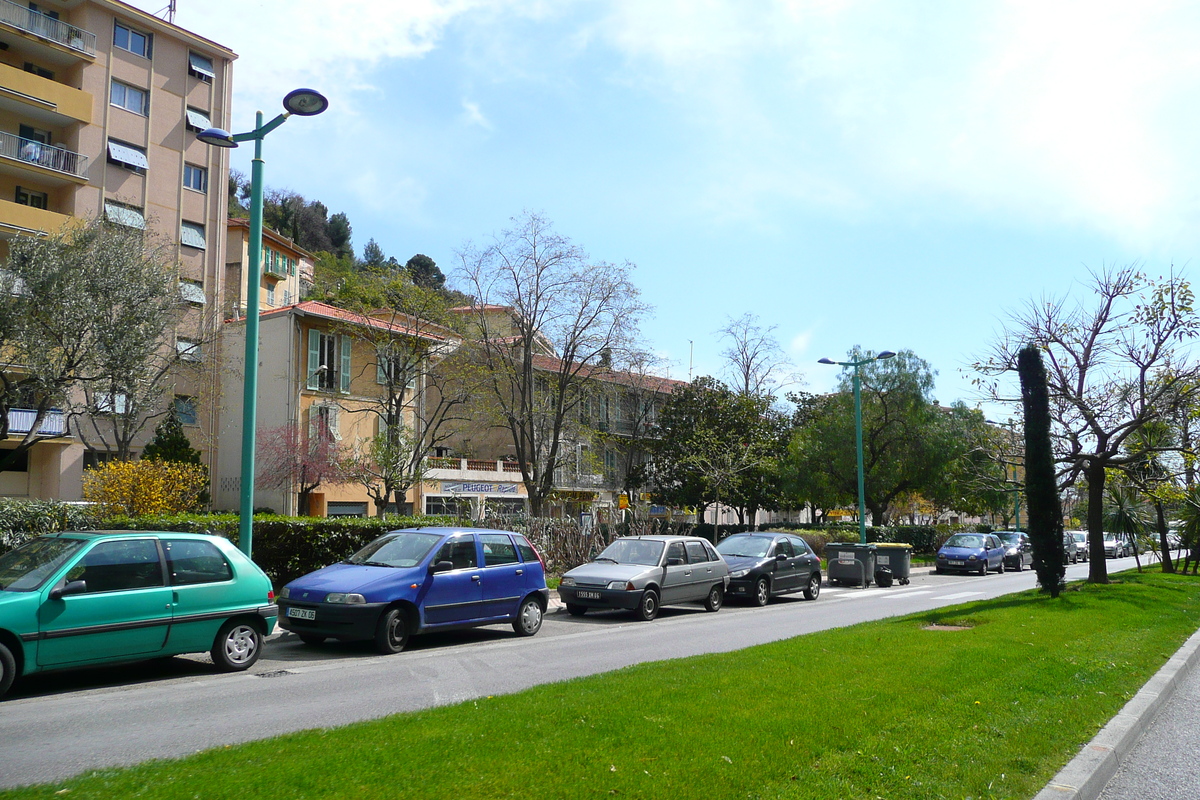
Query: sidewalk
x: 1141, y: 753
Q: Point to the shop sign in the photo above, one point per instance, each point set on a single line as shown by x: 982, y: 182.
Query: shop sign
x: 478, y: 488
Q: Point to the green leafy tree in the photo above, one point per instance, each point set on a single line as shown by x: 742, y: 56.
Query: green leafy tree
x: 1041, y: 488
x: 425, y: 272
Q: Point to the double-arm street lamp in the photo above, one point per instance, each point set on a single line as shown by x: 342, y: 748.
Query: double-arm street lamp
x: 303, y: 103
x: 862, y: 500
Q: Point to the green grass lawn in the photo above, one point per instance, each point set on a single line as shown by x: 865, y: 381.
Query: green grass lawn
x: 883, y: 709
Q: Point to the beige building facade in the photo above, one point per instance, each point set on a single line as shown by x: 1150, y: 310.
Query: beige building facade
x: 99, y: 106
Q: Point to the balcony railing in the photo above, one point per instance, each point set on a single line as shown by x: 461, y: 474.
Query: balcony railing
x: 43, y: 155
x: 48, y: 28
x: 471, y: 464
x: 20, y: 420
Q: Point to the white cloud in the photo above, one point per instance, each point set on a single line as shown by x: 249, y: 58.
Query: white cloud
x: 475, y: 116
x: 800, y: 342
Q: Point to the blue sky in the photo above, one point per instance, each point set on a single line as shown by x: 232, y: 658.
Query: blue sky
x: 891, y: 175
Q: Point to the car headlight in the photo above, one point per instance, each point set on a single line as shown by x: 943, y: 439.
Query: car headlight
x: 567, y: 582
x: 345, y: 598
x: 972, y: 557
x: 1012, y: 551
x: 622, y: 585
x: 741, y: 573
x: 285, y: 593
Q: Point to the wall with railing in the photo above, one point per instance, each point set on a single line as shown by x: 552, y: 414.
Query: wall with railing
x: 54, y: 30
x: 43, y: 155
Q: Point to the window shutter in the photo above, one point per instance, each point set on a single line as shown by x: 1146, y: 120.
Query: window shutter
x: 345, y: 363
x: 380, y: 372
x: 335, y: 427
x: 314, y: 358
x: 314, y: 421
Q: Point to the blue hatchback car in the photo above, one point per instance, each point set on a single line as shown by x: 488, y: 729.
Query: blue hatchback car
x: 418, y: 580
x: 971, y: 552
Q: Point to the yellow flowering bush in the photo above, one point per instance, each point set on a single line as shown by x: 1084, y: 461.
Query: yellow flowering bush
x: 144, y: 487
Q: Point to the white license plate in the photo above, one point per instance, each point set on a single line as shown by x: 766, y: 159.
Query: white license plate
x: 583, y: 595
x: 302, y: 613
x: 957, y: 563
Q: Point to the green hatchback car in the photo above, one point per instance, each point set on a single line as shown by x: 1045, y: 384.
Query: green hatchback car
x: 80, y: 599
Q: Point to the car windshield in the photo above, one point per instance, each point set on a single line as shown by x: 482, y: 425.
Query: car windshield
x: 633, y: 551
x: 396, y: 550
x: 745, y: 546
x: 1011, y: 538
x: 27, y: 567
x: 964, y: 540
x: 1079, y: 537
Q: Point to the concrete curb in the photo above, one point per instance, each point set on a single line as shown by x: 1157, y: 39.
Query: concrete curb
x: 1085, y: 777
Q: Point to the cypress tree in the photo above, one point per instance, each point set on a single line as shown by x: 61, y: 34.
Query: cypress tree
x: 1041, y: 487
x: 170, y: 443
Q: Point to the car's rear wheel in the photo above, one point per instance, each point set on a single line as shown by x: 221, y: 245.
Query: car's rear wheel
x: 8, y: 669
x: 529, y: 618
x: 648, y: 608
x: 576, y: 611
x: 813, y: 590
x: 237, y: 646
x: 762, y: 592
x: 715, y: 599
x: 311, y: 639
x: 1020, y: 564
x: 391, y: 633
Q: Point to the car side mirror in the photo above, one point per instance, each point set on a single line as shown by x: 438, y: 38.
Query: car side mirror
x: 674, y: 562
x: 781, y: 557
x: 441, y: 566
x: 70, y: 588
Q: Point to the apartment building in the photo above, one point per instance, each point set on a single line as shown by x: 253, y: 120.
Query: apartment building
x: 99, y: 106
x: 287, y: 270
x: 322, y: 373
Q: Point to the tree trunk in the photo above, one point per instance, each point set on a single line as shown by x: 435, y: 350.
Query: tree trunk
x: 302, y: 505
x: 1164, y: 546
x: 1097, y: 565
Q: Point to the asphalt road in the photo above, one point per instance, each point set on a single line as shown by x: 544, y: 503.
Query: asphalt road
x: 60, y: 724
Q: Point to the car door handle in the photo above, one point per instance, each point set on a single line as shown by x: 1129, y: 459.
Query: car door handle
x: 687, y: 572
x: 474, y: 577
x: 520, y: 572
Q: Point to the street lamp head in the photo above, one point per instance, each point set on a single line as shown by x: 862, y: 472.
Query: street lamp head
x: 216, y: 137
x: 885, y: 354
x: 826, y: 361
x: 305, y: 102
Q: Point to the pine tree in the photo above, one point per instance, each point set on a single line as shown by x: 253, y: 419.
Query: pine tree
x: 170, y: 443
x: 1041, y: 487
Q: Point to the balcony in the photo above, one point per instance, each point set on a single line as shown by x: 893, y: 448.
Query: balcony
x: 17, y: 219
x: 27, y: 154
x: 571, y: 478
x: 20, y: 420
x: 45, y: 102
x: 467, y: 469
x: 48, y: 29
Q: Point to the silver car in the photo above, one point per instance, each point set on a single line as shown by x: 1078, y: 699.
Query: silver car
x: 642, y: 573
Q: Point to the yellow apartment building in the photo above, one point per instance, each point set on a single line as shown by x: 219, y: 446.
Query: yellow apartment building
x: 99, y: 106
x: 287, y: 270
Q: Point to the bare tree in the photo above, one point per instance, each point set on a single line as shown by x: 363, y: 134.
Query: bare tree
x: 1115, y: 363
x: 546, y: 317
x: 292, y: 459
x: 755, y: 361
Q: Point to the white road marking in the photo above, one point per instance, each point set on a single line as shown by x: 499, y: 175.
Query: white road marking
x: 957, y: 596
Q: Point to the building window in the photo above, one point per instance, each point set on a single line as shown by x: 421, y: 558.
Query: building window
x: 27, y: 197
x: 198, y: 120
x: 129, y: 156
x: 195, y: 178
x: 20, y: 462
x: 114, y: 403
x: 192, y: 235
x: 130, y: 98
x: 271, y: 294
x: 188, y: 349
x: 191, y: 292
x: 134, y: 41
x: 122, y: 214
x: 41, y: 72
x: 328, y: 361
x: 93, y: 459
x: 201, y: 67
x: 185, y: 409
x: 323, y: 422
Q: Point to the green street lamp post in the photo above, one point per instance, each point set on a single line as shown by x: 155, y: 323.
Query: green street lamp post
x: 862, y: 495
x: 304, y: 103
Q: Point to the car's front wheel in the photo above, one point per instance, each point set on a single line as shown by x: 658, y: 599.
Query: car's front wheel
x: 762, y: 592
x: 8, y: 669
x: 529, y: 618
x: 311, y: 639
x: 648, y: 608
x: 983, y: 567
x: 237, y: 646
x: 715, y: 599
x: 813, y: 590
x: 391, y: 633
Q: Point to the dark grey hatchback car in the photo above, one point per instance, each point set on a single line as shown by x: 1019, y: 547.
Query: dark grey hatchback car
x: 763, y: 565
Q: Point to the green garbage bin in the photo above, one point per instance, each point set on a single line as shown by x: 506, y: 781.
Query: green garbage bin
x: 896, y: 557
x: 850, y: 562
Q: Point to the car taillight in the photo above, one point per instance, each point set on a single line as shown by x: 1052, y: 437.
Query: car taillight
x: 270, y: 595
